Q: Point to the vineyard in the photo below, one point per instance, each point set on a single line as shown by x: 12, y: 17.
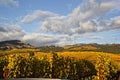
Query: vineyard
x: 61, y: 65
x: 87, y: 55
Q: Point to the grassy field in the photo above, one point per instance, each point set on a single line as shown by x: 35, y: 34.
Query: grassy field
x: 91, y: 56
x: 88, y: 55
x: 14, y: 51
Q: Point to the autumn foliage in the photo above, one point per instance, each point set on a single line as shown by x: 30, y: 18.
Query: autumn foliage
x: 57, y: 66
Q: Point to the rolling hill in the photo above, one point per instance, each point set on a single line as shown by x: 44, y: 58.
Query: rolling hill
x: 17, y: 44
x: 13, y: 44
x: 111, y: 48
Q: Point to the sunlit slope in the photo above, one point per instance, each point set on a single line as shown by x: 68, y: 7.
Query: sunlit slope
x: 110, y: 48
x: 14, y: 51
x: 92, y: 56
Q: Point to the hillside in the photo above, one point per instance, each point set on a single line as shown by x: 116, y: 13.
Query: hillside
x: 50, y: 49
x: 87, y: 55
x: 111, y: 48
x: 17, y: 44
x: 13, y: 44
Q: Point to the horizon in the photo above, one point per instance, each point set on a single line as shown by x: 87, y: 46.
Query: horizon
x: 60, y: 23
x: 64, y: 45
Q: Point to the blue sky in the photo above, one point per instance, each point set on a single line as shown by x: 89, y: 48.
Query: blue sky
x: 55, y: 22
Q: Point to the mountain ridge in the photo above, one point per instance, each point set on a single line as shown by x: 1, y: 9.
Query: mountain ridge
x: 112, y: 48
x: 13, y: 44
x: 17, y: 44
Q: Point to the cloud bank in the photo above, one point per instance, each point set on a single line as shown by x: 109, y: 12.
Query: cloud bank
x: 37, y: 15
x: 86, y: 18
x: 11, y: 32
x: 89, y: 17
x: 83, y: 19
x: 15, y: 32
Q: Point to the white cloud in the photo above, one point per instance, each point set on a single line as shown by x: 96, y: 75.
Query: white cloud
x: 86, y: 27
x: 116, y: 20
x: 12, y: 3
x: 38, y: 39
x: 15, y: 32
x: 57, y: 24
x: 37, y: 15
x: 65, y: 40
x: 91, y: 36
x: 11, y: 32
x: 92, y: 1
x: 83, y: 19
x: 113, y: 25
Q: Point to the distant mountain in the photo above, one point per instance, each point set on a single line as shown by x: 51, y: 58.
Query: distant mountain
x: 112, y: 48
x: 13, y: 44
x: 17, y: 44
